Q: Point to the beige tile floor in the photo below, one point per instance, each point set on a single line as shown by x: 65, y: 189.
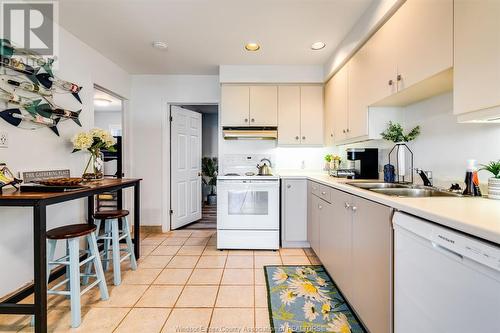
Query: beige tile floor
x: 183, y: 284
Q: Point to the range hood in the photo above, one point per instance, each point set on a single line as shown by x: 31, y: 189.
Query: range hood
x: 250, y: 133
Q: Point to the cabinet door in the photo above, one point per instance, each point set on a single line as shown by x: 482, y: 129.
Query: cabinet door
x: 476, y: 72
x: 335, y: 240
x: 338, y: 103
x: 263, y: 106
x: 289, y: 115
x: 235, y: 105
x: 294, y: 213
x: 329, y: 130
x: 311, y: 115
x: 424, y: 45
x: 372, y: 264
x: 313, y: 222
x: 359, y: 95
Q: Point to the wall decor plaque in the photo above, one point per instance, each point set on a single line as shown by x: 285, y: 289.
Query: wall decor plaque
x: 31, y: 176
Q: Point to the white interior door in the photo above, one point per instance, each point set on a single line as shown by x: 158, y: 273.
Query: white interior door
x: 185, y: 133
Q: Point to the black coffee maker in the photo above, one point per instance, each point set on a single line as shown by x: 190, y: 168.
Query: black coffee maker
x: 364, y: 162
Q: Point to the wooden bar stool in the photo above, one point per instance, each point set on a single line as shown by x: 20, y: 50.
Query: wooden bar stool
x: 72, y: 235
x: 112, y: 236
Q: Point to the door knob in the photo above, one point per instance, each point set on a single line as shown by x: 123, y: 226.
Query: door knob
x: 354, y: 208
x: 246, y: 120
x: 253, y: 120
x: 347, y: 130
x: 343, y: 131
x: 297, y: 137
x: 323, y: 193
x: 303, y: 138
x: 320, y: 207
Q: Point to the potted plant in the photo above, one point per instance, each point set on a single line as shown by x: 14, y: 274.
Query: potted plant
x: 401, y: 152
x: 93, y: 141
x: 209, y: 167
x: 328, y: 160
x: 493, y: 182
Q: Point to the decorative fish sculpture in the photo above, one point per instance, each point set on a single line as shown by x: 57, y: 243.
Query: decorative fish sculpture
x: 48, y: 81
x: 20, y: 67
x: 7, y: 178
x: 12, y: 98
x: 46, y: 110
x: 29, y: 86
x: 8, y: 50
x: 15, y: 117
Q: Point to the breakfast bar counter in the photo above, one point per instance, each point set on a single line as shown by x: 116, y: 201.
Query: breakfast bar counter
x: 39, y: 202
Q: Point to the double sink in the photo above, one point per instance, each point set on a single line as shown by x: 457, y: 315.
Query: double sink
x: 404, y: 190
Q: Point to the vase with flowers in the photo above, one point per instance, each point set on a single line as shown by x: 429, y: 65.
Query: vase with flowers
x: 94, y: 141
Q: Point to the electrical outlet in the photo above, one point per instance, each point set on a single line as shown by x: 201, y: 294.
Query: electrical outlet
x: 4, y: 140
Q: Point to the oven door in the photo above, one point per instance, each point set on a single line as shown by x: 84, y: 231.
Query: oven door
x: 248, y: 204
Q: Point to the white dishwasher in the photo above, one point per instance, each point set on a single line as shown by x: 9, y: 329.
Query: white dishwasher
x: 444, y: 281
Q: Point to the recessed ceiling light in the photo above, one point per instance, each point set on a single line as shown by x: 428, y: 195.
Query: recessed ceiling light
x: 102, y: 102
x: 252, y: 47
x: 318, y: 46
x: 160, y: 45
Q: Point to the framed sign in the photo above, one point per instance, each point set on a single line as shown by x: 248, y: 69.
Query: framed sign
x: 31, y: 176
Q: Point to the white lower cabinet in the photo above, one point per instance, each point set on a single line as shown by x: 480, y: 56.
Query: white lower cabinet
x: 354, y: 243
x: 294, y: 213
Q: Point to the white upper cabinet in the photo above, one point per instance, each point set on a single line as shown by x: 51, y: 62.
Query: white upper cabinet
x: 425, y: 44
x: 300, y: 115
x: 263, y: 106
x: 288, y: 115
x: 235, y: 105
x: 249, y: 105
x: 476, y: 79
x: 311, y: 115
x: 337, y: 100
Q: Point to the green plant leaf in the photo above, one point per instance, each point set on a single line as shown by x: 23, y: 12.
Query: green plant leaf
x: 492, y: 167
x: 395, y: 133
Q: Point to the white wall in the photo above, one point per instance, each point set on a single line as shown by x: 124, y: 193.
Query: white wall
x: 210, y: 133
x: 150, y: 129
x: 444, y: 145
x: 42, y: 150
x: 104, y: 119
x: 271, y: 73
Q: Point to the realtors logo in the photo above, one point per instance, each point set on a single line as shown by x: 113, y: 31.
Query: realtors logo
x: 30, y: 25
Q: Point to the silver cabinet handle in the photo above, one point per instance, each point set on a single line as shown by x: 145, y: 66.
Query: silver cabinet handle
x: 297, y: 137
x: 246, y: 120
x: 343, y: 131
x: 390, y: 82
x: 347, y: 130
x: 399, y: 77
x: 253, y: 120
x: 289, y: 186
x: 347, y: 205
x: 303, y: 138
x: 323, y: 193
x: 320, y: 207
x: 331, y: 135
x: 354, y: 208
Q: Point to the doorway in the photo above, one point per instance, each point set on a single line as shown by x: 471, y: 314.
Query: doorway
x: 193, y: 165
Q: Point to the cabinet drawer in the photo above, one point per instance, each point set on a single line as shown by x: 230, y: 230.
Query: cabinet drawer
x: 325, y: 193
x: 314, y: 188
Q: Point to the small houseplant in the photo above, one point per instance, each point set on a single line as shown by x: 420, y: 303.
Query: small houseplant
x: 494, y: 182
x: 332, y: 162
x: 94, y: 141
x: 209, y: 168
x: 401, y: 153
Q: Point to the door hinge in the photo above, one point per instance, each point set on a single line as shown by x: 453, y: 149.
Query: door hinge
x: 171, y: 212
x: 171, y: 119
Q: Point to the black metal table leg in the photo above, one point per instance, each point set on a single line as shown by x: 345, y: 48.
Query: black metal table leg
x: 90, y: 209
x: 40, y: 266
x: 137, y: 220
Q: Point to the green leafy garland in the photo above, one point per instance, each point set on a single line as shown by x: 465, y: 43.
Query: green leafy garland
x: 395, y: 133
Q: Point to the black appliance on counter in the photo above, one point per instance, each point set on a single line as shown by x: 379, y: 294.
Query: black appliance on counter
x: 364, y: 162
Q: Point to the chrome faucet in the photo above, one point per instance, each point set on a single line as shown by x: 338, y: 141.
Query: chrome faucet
x: 425, y: 175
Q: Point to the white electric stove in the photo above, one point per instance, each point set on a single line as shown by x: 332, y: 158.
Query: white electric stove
x: 247, y: 205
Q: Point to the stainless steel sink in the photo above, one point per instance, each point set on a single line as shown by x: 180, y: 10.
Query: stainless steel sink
x: 415, y: 192
x: 403, y: 190
x: 376, y: 185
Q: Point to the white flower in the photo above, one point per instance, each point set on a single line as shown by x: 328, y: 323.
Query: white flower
x: 287, y: 297
x: 82, y: 141
x: 340, y: 324
x: 321, y: 282
x: 325, y: 310
x: 307, y: 290
x: 309, y: 311
x: 280, y: 276
x: 310, y: 271
x: 285, y: 328
x: 301, y: 272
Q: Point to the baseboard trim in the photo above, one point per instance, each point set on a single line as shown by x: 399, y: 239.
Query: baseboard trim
x: 151, y: 229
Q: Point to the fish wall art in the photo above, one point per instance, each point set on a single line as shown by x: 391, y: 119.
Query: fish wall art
x: 27, y: 89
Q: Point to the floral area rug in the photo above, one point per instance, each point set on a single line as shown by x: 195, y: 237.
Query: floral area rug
x: 305, y: 299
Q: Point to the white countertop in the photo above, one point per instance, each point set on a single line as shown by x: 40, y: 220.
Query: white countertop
x: 479, y: 217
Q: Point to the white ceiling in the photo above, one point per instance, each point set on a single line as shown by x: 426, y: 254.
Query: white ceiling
x: 203, y: 34
x: 115, y: 104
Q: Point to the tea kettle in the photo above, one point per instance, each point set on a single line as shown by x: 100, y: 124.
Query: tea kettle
x: 264, y: 167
